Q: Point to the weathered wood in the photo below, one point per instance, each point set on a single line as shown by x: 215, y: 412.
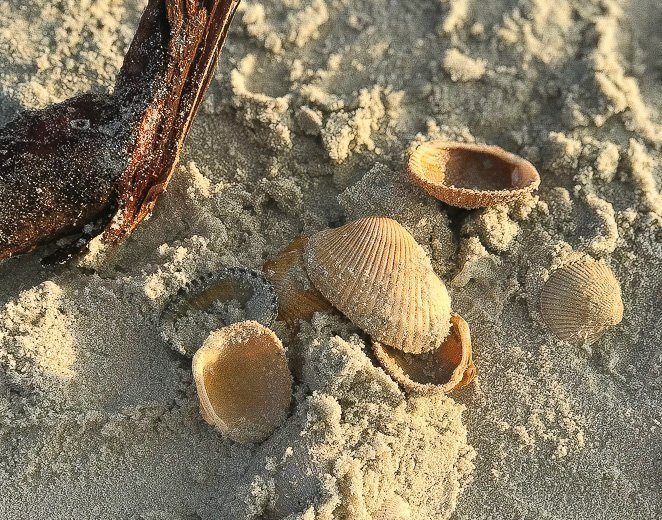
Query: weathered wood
x: 97, y: 164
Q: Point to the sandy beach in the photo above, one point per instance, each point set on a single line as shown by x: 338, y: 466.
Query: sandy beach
x: 307, y: 125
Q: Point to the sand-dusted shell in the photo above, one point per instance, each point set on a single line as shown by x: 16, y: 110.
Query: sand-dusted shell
x: 199, y: 307
x: 297, y: 297
x: 375, y: 273
x: 581, y: 300
x: 243, y: 381
x: 393, y: 508
x: 447, y: 368
x: 471, y: 175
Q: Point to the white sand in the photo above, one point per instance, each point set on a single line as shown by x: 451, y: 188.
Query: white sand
x: 306, y: 126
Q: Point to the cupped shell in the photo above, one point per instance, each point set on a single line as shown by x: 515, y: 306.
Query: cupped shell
x: 444, y: 369
x: 297, y: 297
x: 375, y: 273
x: 243, y: 381
x: 581, y: 300
x: 471, y: 175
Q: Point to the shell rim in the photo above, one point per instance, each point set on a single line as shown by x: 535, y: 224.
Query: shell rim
x: 457, y: 379
x: 188, y: 291
x: 419, y: 178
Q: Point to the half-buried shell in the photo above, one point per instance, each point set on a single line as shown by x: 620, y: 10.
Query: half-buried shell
x: 471, y: 175
x: 393, y: 508
x: 207, y: 303
x: 581, y: 300
x: 445, y: 369
x: 243, y: 381
x: 375, y: 273
x: 297, y: 297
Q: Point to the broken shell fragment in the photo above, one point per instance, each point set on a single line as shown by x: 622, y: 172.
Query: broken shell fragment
x: 206, y: 303
x: 243, y: 381
x: 445, y: 369
x: 581, y: 300
x: 375, y: 273
x: 471, y: 175
x: 297, y: 297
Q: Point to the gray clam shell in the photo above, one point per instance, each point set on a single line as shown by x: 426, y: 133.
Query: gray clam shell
x: 581, y: 300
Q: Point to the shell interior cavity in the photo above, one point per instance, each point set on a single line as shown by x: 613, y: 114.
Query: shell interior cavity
x: 297, y: 297
x: 447, y: 368
x: 375, y: 273
x: 471, y: 175
x: 243, y: 381
x: 227, y: 296
x: 581, y: 300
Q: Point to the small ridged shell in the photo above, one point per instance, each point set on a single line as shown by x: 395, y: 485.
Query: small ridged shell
x: 248, y: 287
x: 581, y: 300
x: 471, y: 175
x: 393, y: 508
x: 445, y: 369
x: 375, y: 273
x: 243, y: 381
x: 297, y: 297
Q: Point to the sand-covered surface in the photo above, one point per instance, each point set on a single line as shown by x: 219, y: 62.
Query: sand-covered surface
x: 306, y: 126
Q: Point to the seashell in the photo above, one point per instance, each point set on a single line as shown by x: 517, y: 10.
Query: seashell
x: 581, y: 300
x: 375, y: 273
x: 195, y: 310
x: 393, y: 508
x: 243, y: 381
x: 445, y: 369
x: 297, y: 297
x: 471, y: 175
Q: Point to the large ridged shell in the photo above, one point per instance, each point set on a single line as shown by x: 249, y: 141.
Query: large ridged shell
x: 445, y: 369
x: 471, y: 175
x: 581, y: 300
x: 376, y: 274
x: 249, y: 288
x: 297, y: 297
x: 243, y: 381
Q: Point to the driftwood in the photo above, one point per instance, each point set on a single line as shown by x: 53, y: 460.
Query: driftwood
x: 96, y: 165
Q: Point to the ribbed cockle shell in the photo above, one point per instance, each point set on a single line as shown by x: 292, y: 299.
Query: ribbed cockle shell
x: 471, y: 175
x: 440, y: 371
x: 581, y: 300
x: 375, y: 273
x: 243, y: 381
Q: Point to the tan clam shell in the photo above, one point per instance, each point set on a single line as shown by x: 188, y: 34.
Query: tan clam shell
x: 297, y: 297
x: 243, y: 381
x: 581, y: 300
x: 375, y: 273
x: 445, y: 369
x: 471, y: 175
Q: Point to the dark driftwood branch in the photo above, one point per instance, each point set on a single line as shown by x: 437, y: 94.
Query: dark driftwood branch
x: 97, y: 164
